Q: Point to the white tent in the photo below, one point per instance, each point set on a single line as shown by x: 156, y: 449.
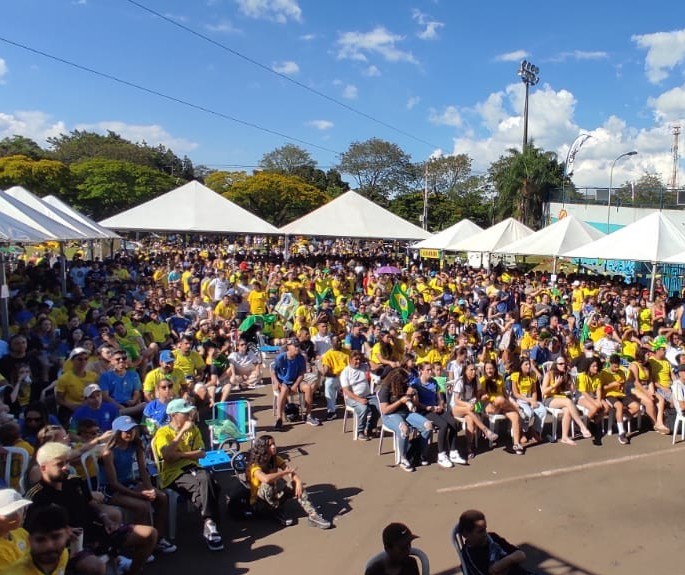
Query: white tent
x: 654, y: 238
x: 561, y: 236
x: 34, y: 202
x: 12, y: 230
x: 66, y: 209
x: 451, y: 235
x: 353, y: 216
x: 493, y: 238
x: 28, y: 216
x: 190, y: 208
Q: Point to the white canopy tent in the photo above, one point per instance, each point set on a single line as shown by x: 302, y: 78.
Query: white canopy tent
x: 451, y: 235
x: 28, y: 216
x: 353, y: 216
x: 61, y: 206
x: 560, y: 237
x: 12, y: 230
x: 190, y: 208
x: 493, y: 238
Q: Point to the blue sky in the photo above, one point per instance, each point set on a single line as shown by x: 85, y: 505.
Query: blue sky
x: 441, y: 71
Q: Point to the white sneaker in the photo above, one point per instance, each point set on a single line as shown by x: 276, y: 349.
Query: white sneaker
x: 444, y: 461
x: 456, y: 458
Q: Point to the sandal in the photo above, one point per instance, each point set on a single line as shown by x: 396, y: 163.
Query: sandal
x: 568, y: 441
x: 518, y: 449
x: 587, y: 434
x: 491, y: 436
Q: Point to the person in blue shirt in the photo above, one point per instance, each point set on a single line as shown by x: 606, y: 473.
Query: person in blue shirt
x: 356, y: 340
x: 156, y: 409
x: 93, y: 408
x: 540, y: 354
x: 121, y: 386
x: 287, y: 378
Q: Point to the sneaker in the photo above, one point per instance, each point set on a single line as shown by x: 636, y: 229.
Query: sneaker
x: 444, y: 461
x: 623, y: 439
x: 212, y: 536
x: 425, y: 462
x: 518, y: 449
x: 471, y: 455
x: 311, y: 420
x: 331, y: 415
x: 164, y: 546
x: 279, y: 425
x: 363, y: 436
x: 283, y: 518
x: 456, y: 458
x: 404, y: 464
x: 317, y: 521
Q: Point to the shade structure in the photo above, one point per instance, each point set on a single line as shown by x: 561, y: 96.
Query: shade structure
x: 654, y: 238
x: 560, y: 237
x: 14, y: 231
x: 353, y: 216
x: 65, y: 208
x: 192, y: 207
x: 28, y: 216
x: 459, y: 231
x: 493, y: 238
x: 36, y: 203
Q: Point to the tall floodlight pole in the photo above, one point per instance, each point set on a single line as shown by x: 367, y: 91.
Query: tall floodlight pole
x: 611, y: 183
x: 529, y: 74
x: 570, y: 160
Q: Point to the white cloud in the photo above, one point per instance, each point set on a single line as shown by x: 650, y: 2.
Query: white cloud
x: 275, y: 10
x: 320, y: 124
x: 350, y: 92
x: 450, y: 116
x: 372, y: 71
x: 152, y: 134
x: 3, y: 70
x: 177, y: 17
x: 430, y: 27
x: 223, y: 27
x: 379, y: 41
x: 669, y: 106
x: 308, y: 37
x: 580, y: 55
x: 665, y: 50
x: 287, y: 67
x: 514, y: 56
x: 33, y: 124
x: 412, y: 102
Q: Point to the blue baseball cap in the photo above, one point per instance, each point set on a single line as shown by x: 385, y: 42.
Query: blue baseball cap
x: 167, y: 357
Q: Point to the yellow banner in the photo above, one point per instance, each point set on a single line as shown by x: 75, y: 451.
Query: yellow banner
x: 430, y: 254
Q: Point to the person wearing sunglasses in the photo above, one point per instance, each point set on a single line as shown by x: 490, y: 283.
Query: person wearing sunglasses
x: 155, y: 414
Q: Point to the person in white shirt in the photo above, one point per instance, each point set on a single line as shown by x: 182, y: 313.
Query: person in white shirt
x: 218, y: 287
x: 244, y: 367
x: 322, y: 339
x: 357, y: 393
x: 609, y: 344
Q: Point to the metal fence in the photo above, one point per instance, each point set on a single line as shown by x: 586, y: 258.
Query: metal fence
x: 638, y: 198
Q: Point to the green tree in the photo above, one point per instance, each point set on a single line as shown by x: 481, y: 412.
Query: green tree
x: 221, y: 181
x: 381, y: 169
x: 276, y: 198
x: 287, y: 160
x: 522, y: 182
x: 21, y: 146
x: 42, y: 177
x: 107, y: 187
x: 648, y: 190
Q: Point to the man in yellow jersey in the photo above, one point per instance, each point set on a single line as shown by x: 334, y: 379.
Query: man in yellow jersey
x: 661, y: 376
x: 613, y: 379
x: 333, y: 362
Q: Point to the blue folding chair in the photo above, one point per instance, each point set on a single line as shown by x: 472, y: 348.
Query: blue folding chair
x: 231, y: 424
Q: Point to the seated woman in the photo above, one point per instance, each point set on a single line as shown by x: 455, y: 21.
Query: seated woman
x: 120, y: 486
x: 398, y: 412
x: 466, y: 406
x: 640, y: 387
x: 273, y: 482
x: 524, y: 389
x: 557, y: 393
x: 590, y: 398
x: 496, y: 402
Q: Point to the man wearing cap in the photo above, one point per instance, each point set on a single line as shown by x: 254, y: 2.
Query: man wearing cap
x: 70, y: 387
x: 661, y: 375
x: 94, y: 408
x: 167, y: 370
x: 14, y: 540
x: 356, y: 340
x: 121, y: 386
x: 609, y: 344
x: 179, y: 446
x: 396, y: 560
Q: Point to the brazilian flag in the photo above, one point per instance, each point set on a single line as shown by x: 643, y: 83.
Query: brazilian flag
x: 400, y: 302
x: 319, y: 297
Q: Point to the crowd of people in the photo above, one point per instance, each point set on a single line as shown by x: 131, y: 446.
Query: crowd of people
x: 130, y: 361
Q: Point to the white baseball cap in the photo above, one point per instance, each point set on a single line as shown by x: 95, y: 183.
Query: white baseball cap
x: 11, y: 502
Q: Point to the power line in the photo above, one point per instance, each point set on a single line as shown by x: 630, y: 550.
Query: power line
x: 279, y: 74
x: 163, y: 95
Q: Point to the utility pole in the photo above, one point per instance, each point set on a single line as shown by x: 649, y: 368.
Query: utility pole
x: 673, y: 183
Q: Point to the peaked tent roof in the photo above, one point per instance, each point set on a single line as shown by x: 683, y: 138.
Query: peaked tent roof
x: 28, y: 216
x: 561, y: 236
x: 12, y: 230
x: 190, y: 208
x: 353, y: 216
x: 34, y: 202
x: 493, y: 238
x: 653, y: 239
x: 66, y: 209
x: 451, y: 235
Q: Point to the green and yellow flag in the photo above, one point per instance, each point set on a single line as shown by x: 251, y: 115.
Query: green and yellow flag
x: 400, y: 302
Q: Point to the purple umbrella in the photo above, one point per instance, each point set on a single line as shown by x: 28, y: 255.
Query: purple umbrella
x: 389, y: 270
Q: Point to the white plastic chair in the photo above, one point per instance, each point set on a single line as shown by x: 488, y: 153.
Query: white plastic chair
x: 678, y: 391
x: 493, y: 418
x: 420, y: 555
x: 87, y: 458
x: 557, y: 414
x: 355, y: 420
x: 13, y: 454
x: 395, y: 444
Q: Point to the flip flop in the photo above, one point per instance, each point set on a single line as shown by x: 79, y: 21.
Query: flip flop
x: 568, y: 441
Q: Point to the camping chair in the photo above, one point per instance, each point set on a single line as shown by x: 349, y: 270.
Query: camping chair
x: 231, y: 423
x: 420, y: 555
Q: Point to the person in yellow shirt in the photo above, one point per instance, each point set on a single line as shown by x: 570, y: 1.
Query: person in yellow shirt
x: 166, y: 370
x: 70, y: 385
x: 524, y: 389
x: 225, y: 310
x: 496, y: 402
x: 661, y: 375
x: 333, y: 362
x: 48, y: 536
x: 257, y: 299
x: 591, y: 399
x: 613, y: 379
x: 157, y: 331
x: 187, y: 359
x: 14, y: 540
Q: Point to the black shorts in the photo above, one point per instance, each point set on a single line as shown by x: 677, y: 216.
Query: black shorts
x: 625, y: 400
x: 100, y: 542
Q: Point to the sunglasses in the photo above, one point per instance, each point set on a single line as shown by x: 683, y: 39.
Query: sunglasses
x: 165, y: 386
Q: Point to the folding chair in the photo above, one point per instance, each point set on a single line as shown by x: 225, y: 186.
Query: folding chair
x: 231, y: 422
x: 16, y: 464
x: 420, y: 555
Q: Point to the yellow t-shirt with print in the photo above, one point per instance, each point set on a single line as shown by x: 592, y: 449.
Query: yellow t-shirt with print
x: 499, y: 387
x: 72, y: 386
x: 188, y: 364
x: 13, y: 547
x: 335, y: 361
x: 158, y: 331
x: 607, y: 377
x: 254, y: 481
x: 660, y: 372
x: 191, y: 440
x: 153, y: 377
x: 587, y: 384
x: 257, y: 301
x: 525, y: 384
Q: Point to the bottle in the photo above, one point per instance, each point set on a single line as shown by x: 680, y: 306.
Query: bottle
x: 477, y: 407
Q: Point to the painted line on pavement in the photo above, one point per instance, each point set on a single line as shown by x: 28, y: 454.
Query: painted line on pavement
x: 558, y: 471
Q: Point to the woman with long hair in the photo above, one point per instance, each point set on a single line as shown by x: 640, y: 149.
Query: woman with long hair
x: 495, y: 401
x: 524, y: 389
x: 640, y: 386
x: 273, y: 481
x: 120, y: 486
x: 590, y: 399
